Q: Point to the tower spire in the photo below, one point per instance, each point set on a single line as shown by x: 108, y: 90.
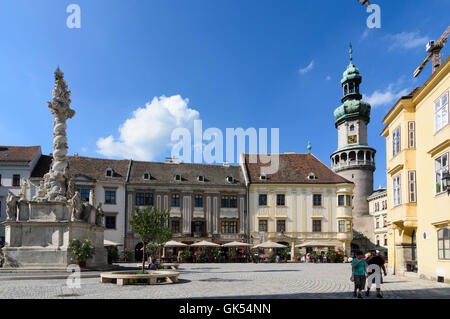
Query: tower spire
x: 350, y: 51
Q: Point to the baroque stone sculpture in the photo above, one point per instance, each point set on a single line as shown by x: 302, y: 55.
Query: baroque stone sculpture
x: 11, y: 207
x: 55, y: 181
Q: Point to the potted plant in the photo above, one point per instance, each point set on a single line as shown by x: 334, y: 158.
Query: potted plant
x: 127, y: 253
x: 81, y: 251
x: 331, y: 256
x: 314, y: 256
x: 217, y: 252
x: 186, y: 254
x: 113, y: 254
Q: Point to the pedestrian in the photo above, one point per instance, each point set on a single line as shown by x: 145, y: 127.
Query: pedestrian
x: 376, y: 259
x: 359, y: 274
x: 277, y: 259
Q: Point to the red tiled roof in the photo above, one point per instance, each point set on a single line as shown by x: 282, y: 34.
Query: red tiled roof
x: 18, y: 153
x: 94, y: 168
x: 294, y: 168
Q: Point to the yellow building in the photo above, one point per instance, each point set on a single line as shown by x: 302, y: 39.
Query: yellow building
x: 303, y: 203
x: 417, y: 150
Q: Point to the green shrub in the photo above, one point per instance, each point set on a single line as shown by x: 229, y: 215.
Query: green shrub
x: 81, y: 251
x: 127, y: 254
x: 113, y: 254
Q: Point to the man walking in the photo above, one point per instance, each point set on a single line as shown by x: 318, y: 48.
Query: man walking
x: 376, y: 259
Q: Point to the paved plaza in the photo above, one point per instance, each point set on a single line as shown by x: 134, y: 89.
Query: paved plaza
x: 292, y: 280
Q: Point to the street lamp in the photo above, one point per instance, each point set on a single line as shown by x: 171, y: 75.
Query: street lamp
x: 446, y: 181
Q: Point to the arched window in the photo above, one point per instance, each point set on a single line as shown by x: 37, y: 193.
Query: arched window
x: 352, y: 127
x: 352, y: 156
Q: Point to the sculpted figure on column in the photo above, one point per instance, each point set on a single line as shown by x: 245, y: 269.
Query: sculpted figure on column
x: 55, y: 181
x: 11, y: 207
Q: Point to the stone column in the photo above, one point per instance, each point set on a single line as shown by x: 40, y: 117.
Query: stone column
x: 208, y: 215
x: 187, y: 213
x: 241, y: 215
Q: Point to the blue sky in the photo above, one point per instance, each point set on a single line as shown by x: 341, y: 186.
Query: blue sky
x: 237, y: 62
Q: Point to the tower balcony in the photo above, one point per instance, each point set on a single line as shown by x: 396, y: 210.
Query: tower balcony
x: 353, y: 158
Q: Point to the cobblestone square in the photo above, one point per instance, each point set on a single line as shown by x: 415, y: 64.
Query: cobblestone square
x: 291, y: 280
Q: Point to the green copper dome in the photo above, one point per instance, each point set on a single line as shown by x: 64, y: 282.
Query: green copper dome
x: 352, y: 105
x: 351, y: 73
x: 351, y: 109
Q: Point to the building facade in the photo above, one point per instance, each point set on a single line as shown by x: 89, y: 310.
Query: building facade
x: 354, y: 159
x: 417, y: 135
x: 378, y: 211
x: 304, y: 201
x: 105, y: 178
x: 205, y: 202
x: 16, y: 165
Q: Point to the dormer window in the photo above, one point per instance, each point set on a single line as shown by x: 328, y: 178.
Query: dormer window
x: 230, y: 179
x: 109, y: 172
x: 263, y: 177
x: 312, y: 176
x: 352, y: 127
x: 178, y: 177
x: 201, y: 178
x: 146, y: 175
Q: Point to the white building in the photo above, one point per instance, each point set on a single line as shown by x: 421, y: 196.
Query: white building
x: 378, y: 211
x: 16, y: 165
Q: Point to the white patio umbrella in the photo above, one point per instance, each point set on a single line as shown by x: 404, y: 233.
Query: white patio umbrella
x: 107, y: 243
x: 317, y: 244
x: 205, y: 243
x: 236, y: 244
x: 269, y: 244
x: 173, y: 243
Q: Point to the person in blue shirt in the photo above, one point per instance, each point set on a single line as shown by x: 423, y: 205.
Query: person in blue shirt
x: 359, y: 266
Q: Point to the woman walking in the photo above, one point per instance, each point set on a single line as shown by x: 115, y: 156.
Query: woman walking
x: 359, y: 274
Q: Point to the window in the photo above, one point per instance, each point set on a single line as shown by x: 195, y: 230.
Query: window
x: 262, y: 199
x: 230, y: 179
x: 412, y: 186
x: 229, y: 227
x: 397, y: 190
x: 281, y: 226
x: 385, y: 240
x: 280, y: 199
x: 341, y: 200
x: 144, y: 199
x: 441, y: 112
x: 377, y: 207
x: 352, y: 127
x: 201, y: 178
x: 109, y: 172
x: 233, y: 202
x: 441, y: 166
x: 146, y: 176
x: 396, y: 141
x: 444, y: 243
x: 411, y: 134
x: 384, y: 221
x: 317, y: 199
x: 178, y: 177
x: 198, y: 201
x: 16, y: 180
x: 225, y: 202
x: 175, y: 200
x: 262, y: 225
x: 341, y: 226
x: 348, y: 200
x: 317, y: 225
x: 110, y: 197
x: 175, y: 225
x: 378, y: 223
x: 110, y: 222
x: 84, y: 192
x: 378, y: 241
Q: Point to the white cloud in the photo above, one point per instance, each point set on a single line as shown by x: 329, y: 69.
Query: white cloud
x: 387, y: 96
x: 147, y: 133
x: 308, y: 68
x: 407, y: 40
x: 328, y: 78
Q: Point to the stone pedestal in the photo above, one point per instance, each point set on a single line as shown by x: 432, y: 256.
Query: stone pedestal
x: 40, y: 237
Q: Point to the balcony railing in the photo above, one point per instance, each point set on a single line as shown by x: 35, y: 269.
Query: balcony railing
x: 346, y: 164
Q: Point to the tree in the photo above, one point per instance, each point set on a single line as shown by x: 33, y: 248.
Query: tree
x: 150, y: 224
